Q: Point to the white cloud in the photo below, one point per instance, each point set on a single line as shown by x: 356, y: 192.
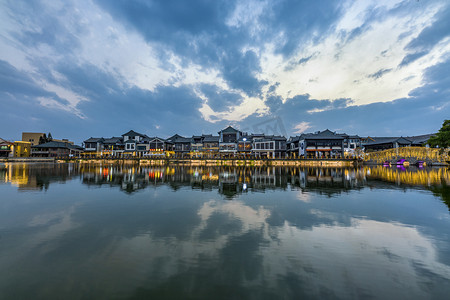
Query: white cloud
x: 340, y: 69
x: 302, y: 127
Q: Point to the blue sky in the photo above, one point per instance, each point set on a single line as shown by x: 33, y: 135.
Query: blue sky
x: 100, y: 68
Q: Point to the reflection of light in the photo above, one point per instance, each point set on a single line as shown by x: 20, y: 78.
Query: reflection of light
x: 368, y: 171
x: 244, y: 186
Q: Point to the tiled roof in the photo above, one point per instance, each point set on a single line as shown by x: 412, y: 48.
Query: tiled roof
x: 420, y: 139
x: 94, y: 140
x: 133, y: 133
x: 386, y: 140
x: 113, y: 140
x: 229, y: 129
x: 53, y: 144
x: 211, y: 139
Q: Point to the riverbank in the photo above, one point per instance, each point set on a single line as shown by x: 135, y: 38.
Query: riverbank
x: 197, y: 161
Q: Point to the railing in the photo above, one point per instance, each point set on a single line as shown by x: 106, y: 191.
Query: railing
x: 417, y: 153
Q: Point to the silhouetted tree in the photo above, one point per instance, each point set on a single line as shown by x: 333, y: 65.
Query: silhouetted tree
x: 43, y: 139
x: 442, y: 138
x: 49, y: 137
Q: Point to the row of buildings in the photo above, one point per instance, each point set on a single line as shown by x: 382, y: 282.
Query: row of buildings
x: 36, y: 144
x: 228, y: 142
x: 231, y: 142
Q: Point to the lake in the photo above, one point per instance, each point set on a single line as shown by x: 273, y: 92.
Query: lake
x: 85, y: 231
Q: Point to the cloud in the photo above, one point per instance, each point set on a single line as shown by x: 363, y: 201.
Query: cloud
x: 301, y: 127
x: 209, y: 64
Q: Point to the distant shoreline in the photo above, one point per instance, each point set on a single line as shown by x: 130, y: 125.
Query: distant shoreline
x: 204, y: 161
x: 194, y: 161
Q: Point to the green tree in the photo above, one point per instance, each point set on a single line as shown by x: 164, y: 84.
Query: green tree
x: 442, y: 138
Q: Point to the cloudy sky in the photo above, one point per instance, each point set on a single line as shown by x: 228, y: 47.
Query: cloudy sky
x: 100, y: 68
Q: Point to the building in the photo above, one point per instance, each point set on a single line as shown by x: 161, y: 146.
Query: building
x: 33, y: 138
x: 269, y: 146
x: 22, y: 149
x: 154, y: 147
x: 228, y: 141
x: 352, y: 143
x: 384, y: 143
x: 181, y: 145
x: 113, y: 146
x: 245, y: 145
x: 36, y: 138
x: 321, y: 144
x: 211, y: 146
x: 56, y: 149
x: 93, y: 146
x: 6, y: 148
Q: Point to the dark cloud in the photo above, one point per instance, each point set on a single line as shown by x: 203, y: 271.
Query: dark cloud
x: 13, y: 81
x: 379, y: 73
x: 218, y: 99
x: 429, y: 37
x: 300, y: 21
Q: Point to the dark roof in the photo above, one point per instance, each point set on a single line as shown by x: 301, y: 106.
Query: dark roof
x: 155, y: 138
x: 294, y: 139
x: 229, y: 129
x: 173, y: 137
x: 179, y: 139
x: 387, y: 140
x: 272, y: 138
x: 5, y: 142
x: 323, y: 135
x: 354, y: 137
x: 113, y: 140
x: 94, y: 140
x: 211, y: 139
x: 133, y: 133
x: 420, y: 139
x: 53, y: 144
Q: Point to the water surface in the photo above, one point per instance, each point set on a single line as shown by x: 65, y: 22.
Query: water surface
x: 70, y: 231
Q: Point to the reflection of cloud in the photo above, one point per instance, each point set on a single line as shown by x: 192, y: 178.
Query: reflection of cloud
x: 366, y: 251
x: 304, y: 197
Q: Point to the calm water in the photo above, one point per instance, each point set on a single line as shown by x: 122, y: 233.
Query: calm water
x: 116, y: 232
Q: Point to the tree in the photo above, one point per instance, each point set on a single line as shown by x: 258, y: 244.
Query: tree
x: 49, y: 137
x: 442, y: 138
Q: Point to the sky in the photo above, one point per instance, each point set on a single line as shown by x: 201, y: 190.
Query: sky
x: 81, y: 68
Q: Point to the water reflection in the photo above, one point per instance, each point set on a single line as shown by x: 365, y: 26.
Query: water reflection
x: 228, y: 181
x: 124, y: 232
